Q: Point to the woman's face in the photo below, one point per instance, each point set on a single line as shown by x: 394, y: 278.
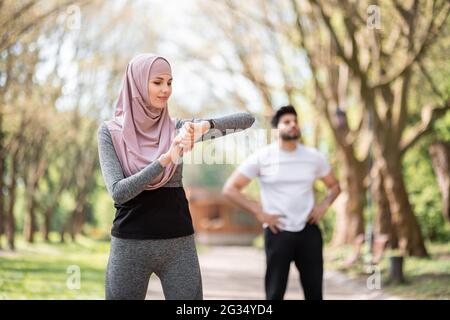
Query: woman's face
x: 159, y: 90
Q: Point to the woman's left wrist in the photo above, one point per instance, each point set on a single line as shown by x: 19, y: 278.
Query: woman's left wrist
x: 206, y: 125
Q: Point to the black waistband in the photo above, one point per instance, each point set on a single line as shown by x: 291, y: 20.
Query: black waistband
x: 154, y: 214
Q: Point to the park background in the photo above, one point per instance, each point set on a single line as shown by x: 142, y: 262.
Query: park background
x: 369, y: 79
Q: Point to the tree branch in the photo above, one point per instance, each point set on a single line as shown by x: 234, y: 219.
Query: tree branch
x: 8, y: 41
x: 429, y: 116
x: 350, y: 61
x: 430, y: 36
x: 433, y: 86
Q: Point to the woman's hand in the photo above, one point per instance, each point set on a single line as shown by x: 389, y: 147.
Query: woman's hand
x: 174, y: 153
x: 187, y: 136
x: 191, y: 132
x: 184, y: 141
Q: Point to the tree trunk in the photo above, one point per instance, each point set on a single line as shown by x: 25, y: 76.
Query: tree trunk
x: 16, y: 158
x: 62, y: 232
x: 29, y: 227
x: 11, y: 223
x: 35, y: 171
x: 350, y: 222
x: 404, y: 221
x: 81, y: 219
x: 73, y: 234
x: 2, y: 174
x: 73, y: 227
x: 440, y: 157
x: 47, y: 223
x: 78, y: 216
x: 11, y: 227
x: 383, y: 218
x: 384, y: 234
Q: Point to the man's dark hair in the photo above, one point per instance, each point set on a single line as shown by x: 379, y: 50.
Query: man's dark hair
x: 280, y: 112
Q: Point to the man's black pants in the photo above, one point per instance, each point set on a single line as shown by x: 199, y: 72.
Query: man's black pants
x: 305, y: 249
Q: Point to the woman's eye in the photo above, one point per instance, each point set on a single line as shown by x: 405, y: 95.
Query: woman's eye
x: 157, y: 83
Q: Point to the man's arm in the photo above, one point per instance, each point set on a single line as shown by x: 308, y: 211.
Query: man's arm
x: 233, y: 191
x: 333, y: 191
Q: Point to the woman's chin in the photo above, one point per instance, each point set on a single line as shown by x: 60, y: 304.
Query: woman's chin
x: 162, y: 104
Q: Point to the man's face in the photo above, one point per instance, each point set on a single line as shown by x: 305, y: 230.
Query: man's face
x: 288, y: 127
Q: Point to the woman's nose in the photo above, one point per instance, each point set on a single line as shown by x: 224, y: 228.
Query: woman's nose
x: 165, y: 88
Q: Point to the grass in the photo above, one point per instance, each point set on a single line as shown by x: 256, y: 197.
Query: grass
x: 48, y: 270
x: 45, y: 271
x: 425, y: 278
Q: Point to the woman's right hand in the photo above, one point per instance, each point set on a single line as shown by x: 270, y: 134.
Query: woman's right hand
x: 174, y: 153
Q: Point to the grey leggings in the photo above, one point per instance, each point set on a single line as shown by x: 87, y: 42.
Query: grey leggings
x: 132, y: 262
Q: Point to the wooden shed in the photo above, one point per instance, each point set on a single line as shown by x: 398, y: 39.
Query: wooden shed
x: 217, y: 221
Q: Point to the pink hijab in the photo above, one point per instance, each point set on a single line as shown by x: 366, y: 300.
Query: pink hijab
x: 139, y: 131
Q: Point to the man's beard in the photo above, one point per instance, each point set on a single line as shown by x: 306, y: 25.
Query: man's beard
x: 290, y: 137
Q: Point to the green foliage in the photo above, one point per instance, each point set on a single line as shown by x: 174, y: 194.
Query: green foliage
x: 104, y: 211
x: 206, y: 175
x: 328, y: 221
x: 424, y: 192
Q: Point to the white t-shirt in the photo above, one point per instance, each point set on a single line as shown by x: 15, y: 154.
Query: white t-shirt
x: 286, y: 180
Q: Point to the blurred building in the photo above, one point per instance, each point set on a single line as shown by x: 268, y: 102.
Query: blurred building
x: 217, y: 221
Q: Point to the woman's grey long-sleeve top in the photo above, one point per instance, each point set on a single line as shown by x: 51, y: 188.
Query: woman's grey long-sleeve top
x: 123, y: 188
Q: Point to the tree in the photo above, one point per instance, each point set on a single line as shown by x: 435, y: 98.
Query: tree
x: 260, y: 36
x: 373, y: 60
x: 362, y: 78
x: 440, y: 156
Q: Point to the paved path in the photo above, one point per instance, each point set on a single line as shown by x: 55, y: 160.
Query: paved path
x: 236, y: 273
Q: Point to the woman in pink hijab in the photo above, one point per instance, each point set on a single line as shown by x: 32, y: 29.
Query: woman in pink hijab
x: 140, y: 150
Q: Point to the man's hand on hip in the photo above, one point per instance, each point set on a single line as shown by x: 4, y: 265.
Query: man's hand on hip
x: 272, y: 220
x: 317, y: 214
